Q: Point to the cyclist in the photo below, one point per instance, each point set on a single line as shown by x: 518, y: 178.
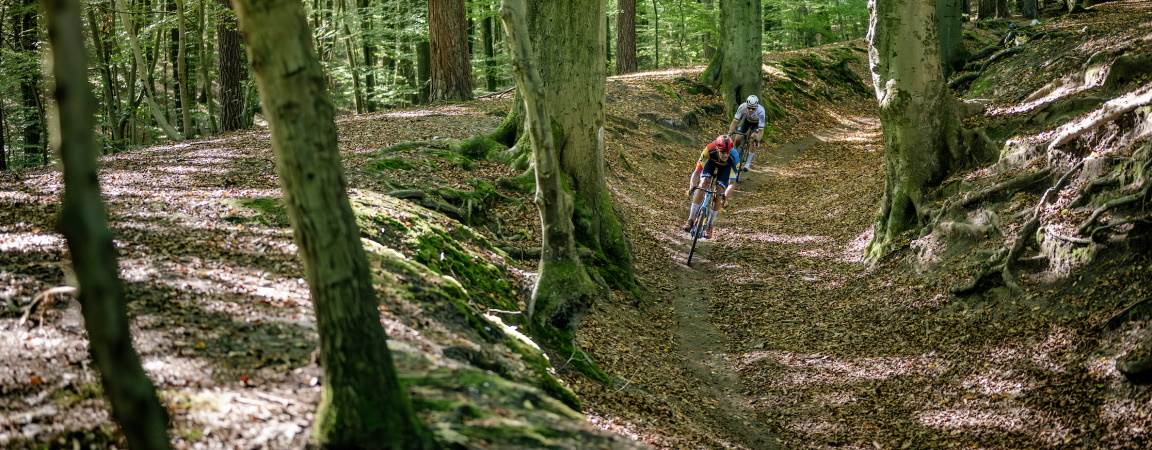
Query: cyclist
x: 749, y: 121
x: 715, y: 163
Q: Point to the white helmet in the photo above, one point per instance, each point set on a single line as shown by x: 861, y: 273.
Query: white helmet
x: 753, y: 100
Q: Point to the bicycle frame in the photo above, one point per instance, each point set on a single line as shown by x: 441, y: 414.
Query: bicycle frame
x: 703, y: 217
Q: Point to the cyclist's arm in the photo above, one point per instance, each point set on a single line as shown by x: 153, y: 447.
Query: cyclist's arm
x: 694, y: 177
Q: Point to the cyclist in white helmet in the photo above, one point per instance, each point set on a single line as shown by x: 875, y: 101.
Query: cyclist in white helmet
x: 749, y: 120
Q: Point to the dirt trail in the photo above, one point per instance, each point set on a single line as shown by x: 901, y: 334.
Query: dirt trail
x: 700, y: 343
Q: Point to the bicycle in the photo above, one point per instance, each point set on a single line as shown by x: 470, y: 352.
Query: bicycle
x: 703, y: 218
x: 746, y: 153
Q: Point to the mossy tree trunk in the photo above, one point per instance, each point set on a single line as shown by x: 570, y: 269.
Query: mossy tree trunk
x: 918, y: 113
x: 626, y: 37
x: 563, y: 283
x: 362, y: 404
x: 740, y: 49
x: 566, y: 37
x: 84, y: 223
x: 951, y: 39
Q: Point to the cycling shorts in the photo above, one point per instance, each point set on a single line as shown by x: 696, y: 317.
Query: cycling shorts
x: 713, y: 169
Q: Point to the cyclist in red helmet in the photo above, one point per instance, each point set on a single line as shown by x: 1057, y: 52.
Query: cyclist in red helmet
x: 714, y: 165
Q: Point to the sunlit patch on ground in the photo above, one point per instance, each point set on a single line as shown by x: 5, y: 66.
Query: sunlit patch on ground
x: 27, y: 242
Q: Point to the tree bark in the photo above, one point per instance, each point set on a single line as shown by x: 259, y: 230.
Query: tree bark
x: 205, y: 80
x: 84, y: 223
x: 563, y: 284
x: 362, y: 403
x: 656, y: 30
x: 26, y: 29
x: 489, y: 55
x: 740, y: 30
x: 231, y: 69
x: 566, y: 38
x: 1029, y: 9
x: 99, y: 38
x: 350, y: 54
x: 951, y: 38
x: 626, y: 37
x: 368, y: 48
x: 985, y: 9
x: 182, y: 70
x: 451, y: 68
x: 423, y: 71
x: 1002, y: 11
x: 918, y: 114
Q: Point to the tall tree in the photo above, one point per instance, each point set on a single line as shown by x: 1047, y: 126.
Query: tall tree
x: 489, y: 50
x: 451, y: 68
x: 1029, y: 9
x: 368, y: 49
x: 951, y: 39
x: 740, y: 52
x: 626, y: 37
x: 563, y: 288
x: 985, y: 9
x: 27, y: 31
x: 566, y: 38
x: 917, y: 111
x: 231, y: 70
x: 84, y: 223
x: 182, y: 70
x: 138, y: 56
x: 363, y: 404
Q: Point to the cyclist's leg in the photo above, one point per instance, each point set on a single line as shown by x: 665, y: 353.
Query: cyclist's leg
x: 697, y: 196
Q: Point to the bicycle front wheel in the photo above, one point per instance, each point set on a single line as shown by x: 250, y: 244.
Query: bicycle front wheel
x: 699, y: 223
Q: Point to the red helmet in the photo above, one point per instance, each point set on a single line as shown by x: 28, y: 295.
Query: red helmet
x: 722, y: 143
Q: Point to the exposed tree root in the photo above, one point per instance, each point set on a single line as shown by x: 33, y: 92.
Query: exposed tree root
x: 1025, y: 236
x: 1136, y: 310
x: 1107, y: 113
x: 1007, y: 187
x: 1127, y: 199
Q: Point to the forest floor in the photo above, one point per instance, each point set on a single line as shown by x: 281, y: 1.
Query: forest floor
x: 777, y: 336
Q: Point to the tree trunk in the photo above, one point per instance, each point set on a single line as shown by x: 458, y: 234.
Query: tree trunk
x: 707, y: 37
x: 182, y: 70
x: 563, y: 286
x: 27, y: 31
x: 656, y: 30
x: 951, y: 39
x: 362, y: 404
x: 149, y: 92
x: 1002, y: 11
x: 368, y: 48
x: 99, y: 38
x: 626, y: 37
x: 205, y: 80
x: 423, y: 72
x: 84, y: 223
x: 917, y: 111
x: 566, y: 38
x: 740, y: 30
x: 489, y: 55
x: 231, y: 68
x: 350, y: 55
x: 451, y: 69
x: 985, y: 9
x: 1029, y: 9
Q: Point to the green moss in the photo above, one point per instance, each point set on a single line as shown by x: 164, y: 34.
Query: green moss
x: 73, y: 394
x: 391, y: 164
x: 480, y: 147
x: 267, y: 211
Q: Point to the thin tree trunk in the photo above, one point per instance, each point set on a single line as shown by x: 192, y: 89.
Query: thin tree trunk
x: 368, y: 49
x: 84, y: 223
x: 451, y: 68
x: 1002, y: 11
x: 362, y: 404
x: 656, y: 30
x: 1029, y: 9
x: 350, y: 54
x: 489, y: 54
x: 182, y: 70
x: 626, y: 37
x: 110, y: 100
x: 134, y: 45
x: 231, y: 69
x: 26, y: 29
x: 205, y: 50
x: 423, y: 71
